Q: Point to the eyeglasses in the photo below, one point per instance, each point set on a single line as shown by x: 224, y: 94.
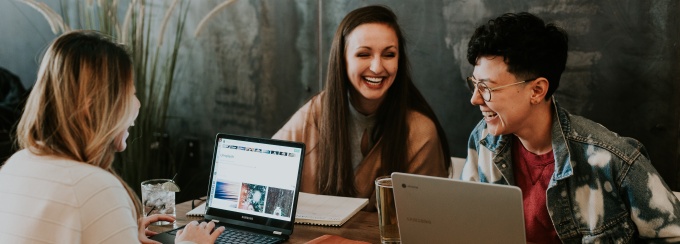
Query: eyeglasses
x: 485, y: 90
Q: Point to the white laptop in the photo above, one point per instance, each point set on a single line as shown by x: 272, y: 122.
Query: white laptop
x: 441, y: 210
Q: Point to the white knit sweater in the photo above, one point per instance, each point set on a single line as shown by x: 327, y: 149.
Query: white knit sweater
x: 45, y: 199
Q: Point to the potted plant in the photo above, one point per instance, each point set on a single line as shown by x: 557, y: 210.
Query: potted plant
x: 154, y: 42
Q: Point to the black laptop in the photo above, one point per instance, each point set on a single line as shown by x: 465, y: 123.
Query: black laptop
x: 253, y: 189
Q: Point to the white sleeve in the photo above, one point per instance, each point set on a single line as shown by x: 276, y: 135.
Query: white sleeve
x: 106, y: 210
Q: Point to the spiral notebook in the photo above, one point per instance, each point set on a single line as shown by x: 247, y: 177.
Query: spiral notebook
x: 316, y: 209
x: 199, y: 211
x: 327, y: 210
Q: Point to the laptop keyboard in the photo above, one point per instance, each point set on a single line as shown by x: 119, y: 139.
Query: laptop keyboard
x: 238, y: 236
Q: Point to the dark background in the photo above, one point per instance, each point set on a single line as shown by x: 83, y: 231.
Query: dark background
x: 257, y: 62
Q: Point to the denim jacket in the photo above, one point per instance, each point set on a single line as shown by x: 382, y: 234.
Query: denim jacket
x: 604, y: 188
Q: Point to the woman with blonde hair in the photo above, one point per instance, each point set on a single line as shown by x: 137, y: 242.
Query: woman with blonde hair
x: 370, y: 120
x: 61, y: 187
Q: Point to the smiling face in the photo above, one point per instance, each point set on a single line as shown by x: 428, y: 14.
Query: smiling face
x: 372, y: 58
x: 509, y: 110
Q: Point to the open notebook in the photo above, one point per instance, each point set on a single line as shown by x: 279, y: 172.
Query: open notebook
x: 199, y: 211
x: 316, y: 209
x: 327, y: 210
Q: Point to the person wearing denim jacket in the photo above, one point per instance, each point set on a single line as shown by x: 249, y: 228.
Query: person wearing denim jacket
x: 595, y: 186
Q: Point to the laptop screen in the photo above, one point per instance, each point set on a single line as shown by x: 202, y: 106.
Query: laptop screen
x: 254, y: 181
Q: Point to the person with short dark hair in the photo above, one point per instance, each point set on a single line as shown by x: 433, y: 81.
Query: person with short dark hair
x: 581, y: 183
x: 370, y: 120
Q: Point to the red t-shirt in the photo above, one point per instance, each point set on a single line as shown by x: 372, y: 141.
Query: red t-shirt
x: 532, y: 175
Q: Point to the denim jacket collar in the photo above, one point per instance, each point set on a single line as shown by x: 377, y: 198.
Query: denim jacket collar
x: 560, y: 128
x: 604, y: 188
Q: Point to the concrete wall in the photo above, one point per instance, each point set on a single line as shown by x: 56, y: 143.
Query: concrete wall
x: 257, y: 62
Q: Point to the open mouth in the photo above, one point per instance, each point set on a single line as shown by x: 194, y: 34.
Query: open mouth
x: 489, y: 115
x: 374, y: 82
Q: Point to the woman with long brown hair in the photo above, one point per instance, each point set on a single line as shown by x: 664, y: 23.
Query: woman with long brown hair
x: 370, y: 120
x: 61, y: 187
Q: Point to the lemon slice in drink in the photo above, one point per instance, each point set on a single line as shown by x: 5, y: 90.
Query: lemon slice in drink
x: 170, y: 186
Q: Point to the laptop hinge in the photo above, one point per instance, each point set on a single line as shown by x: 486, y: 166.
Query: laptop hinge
x: 277, y: 233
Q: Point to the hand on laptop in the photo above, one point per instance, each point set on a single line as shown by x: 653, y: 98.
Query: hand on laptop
x: 146, y: 221
x: 199, y: 233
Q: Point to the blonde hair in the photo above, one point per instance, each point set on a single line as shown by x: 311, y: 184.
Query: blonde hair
x: 81, y: 101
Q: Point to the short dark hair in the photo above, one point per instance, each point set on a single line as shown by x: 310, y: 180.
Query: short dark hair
x: 528, y: 46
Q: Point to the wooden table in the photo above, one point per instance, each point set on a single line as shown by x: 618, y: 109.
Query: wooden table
x: 362, y: 227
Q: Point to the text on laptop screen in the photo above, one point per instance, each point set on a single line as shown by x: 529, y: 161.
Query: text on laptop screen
x: 255, y: 178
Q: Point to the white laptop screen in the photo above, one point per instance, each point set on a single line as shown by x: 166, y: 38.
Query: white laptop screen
x: 255, y: 178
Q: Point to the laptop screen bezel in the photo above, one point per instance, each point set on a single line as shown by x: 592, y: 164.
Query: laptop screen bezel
x: 266, y: 224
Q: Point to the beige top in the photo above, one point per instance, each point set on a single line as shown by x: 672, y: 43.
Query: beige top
x: 46, y: 199
x: 425, y: 154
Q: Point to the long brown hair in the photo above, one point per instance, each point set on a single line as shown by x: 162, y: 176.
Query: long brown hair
x: 80, y: 102
x: 336, y: 175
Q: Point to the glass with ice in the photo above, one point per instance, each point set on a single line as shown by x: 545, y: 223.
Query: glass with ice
x: 158, y: 197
